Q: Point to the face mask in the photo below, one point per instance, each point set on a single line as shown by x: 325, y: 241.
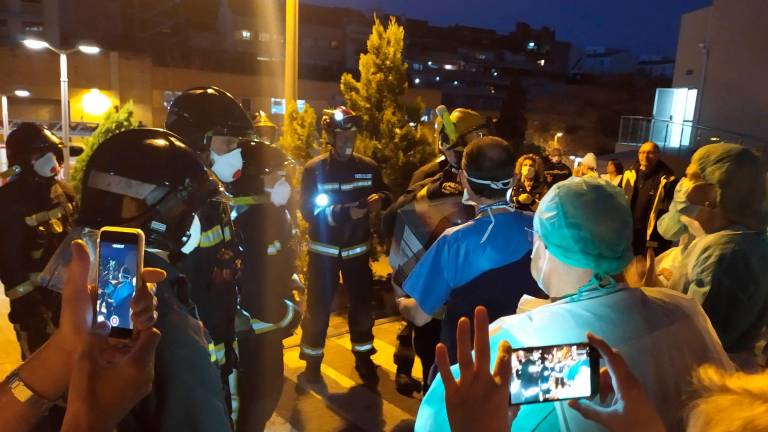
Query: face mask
x: 194, y: 234
x: 280, y: 193
x: 47, y: 166
x: 529, y: 172
x: 694, y: 227
x: 540, y: 277
x: 227, y: 167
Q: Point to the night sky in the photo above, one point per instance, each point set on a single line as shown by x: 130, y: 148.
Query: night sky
x: 644, y: 26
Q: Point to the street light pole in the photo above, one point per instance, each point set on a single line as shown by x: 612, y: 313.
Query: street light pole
x: 37, y: 44
x: 6, y: 123
x: 291, y: 50
x: 64, y: 78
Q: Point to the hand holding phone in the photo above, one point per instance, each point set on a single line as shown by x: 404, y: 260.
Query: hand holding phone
x: 120, y: 257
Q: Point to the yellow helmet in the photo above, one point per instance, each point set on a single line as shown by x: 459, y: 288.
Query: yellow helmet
x: 260, y: 119
x: 463, y: 121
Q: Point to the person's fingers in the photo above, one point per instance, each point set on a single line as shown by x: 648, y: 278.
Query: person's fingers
x: 606, y: 385
x: 102, y: 328
x: 503, y: 368
x: 482, y: 344
x: 76, y: 297
x: 512, y: 412
x: 444, y: 367
x: 614, y: 361
x: 152, y: 275
x: 145, y: 320
x: 143, y: 352
x: 589, y: 410
x: 464, y: 349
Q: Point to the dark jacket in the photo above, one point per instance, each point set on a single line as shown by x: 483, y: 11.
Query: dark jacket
x: 555, y: 172
x: 429, y: 170
x: 187, y: 393
x: 344, y: 182
x: 35, y: 218
x: 537, y: 191
x: 268, y: 259
x: 649, y: 195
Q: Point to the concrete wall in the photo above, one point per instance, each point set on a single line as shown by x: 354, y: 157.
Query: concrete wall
x: 690, y: 57
x: 735, y: 97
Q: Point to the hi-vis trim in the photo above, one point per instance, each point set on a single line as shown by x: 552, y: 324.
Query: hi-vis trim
x: 316, y: 352
x: 260, y: 327
x: 220, y: 352
x: 45, y: 216
x: 356, y: 185
x: 335, y: 251
x: 364, y: 176
x: 20, y: 290
x: 214, y: 236
x: 212, y: 352
x: 328, y: 186
x: 363, y: 347
x: 274, y: 248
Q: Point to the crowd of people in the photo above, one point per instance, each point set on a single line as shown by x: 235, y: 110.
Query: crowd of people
x: 662, y: 274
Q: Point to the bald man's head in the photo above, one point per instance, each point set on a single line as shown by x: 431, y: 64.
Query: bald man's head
x: 648, y: 155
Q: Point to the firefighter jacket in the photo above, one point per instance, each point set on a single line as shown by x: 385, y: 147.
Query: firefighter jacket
x: 328, y: 187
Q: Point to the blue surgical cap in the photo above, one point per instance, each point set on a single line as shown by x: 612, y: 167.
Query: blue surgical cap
x: 586, y: 223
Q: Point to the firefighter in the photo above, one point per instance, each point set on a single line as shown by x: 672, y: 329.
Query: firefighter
x: 37, y: 210
x: 268, y: 293
x: 212, y: 122
x: 264, y: 129
x: 339, y: 190
x: 147, y: 179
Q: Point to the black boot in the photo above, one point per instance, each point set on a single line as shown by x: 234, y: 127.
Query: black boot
x: 406, y: 385
x: 312, y: 378
x: 364, y: 366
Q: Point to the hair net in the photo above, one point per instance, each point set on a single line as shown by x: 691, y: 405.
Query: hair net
x: 586, y: 223
x: 739, y: 175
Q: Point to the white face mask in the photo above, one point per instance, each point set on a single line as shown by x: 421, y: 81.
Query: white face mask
x: 538, y: 276
x: 529, y: 172
x: 47, y: 166
x: 280, y: 193
x: 227, y: 167
x: 694, y: 227
x: 194, y: 233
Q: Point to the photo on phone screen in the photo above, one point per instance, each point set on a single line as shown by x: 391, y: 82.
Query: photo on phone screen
x: 552, y: 373
x: 118, y: 262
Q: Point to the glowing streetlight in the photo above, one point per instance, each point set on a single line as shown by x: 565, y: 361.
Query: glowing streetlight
x: 96, y: 103
x: 4, y: 109
x: 37, y: 44
x: 558, y: 136
x: 22, y: 93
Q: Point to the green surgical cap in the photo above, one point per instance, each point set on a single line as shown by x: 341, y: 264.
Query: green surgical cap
x: 586, y: 223
x: 739, y: 175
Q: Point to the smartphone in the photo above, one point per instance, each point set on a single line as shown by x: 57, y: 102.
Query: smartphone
x: 554, y: 373
x: 120, y: 254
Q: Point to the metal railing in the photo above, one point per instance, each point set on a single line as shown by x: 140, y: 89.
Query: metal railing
x: 82, y: 129
x: 681, y: 138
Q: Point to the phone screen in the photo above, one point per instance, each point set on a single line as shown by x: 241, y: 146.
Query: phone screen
x: 118, y: 263
x: 552, y: 373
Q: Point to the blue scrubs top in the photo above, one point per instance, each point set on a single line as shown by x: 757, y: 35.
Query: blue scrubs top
x: 459, y: 256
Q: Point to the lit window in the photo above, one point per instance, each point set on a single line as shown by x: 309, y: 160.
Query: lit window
x: 531, y: 46
x: 244, y: 35
x: 417, y: 66
x: 437, y: 79
x: 450, y: 67
x: 455, y: 83
x: 33, y: 26
x: 542, y: 62
x: 278, y: 105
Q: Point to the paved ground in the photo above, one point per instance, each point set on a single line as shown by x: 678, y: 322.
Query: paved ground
x: 347, y: 406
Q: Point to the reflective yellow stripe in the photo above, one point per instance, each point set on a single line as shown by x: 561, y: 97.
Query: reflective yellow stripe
x: 20, y: 290
x: 260, y: 327
x: 212, y: 352
x: 324, y: 249
x: 354, y: 251
x: 317, y: 352
x: 220, y: 351
x: 227, y: 233
x: 44, y: 216
x: 362, y: 347
x: 212, y: 237
x: 359, y: 184
x: 250, y: 200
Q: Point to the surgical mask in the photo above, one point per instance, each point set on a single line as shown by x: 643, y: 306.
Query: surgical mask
x: 529, y: 172
x: 540, y: 277
x: 47, y: 166
x: 694, y: 227
x: 194, y: 233
x: 228, y: 167
x: 280, y: 193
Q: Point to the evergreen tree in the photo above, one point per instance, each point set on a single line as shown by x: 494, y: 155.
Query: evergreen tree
x: 114, y: 121
x: 386, y: 136
x: 299, y: 136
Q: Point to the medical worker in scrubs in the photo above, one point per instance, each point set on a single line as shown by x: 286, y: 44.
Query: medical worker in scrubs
x: 583, y: 240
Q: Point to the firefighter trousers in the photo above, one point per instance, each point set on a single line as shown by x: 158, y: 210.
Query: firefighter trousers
x: 323, y: 280
x: 259, y: 378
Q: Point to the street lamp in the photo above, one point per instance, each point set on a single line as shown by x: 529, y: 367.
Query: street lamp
x: 558, y: 136
x: 37, y: 44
